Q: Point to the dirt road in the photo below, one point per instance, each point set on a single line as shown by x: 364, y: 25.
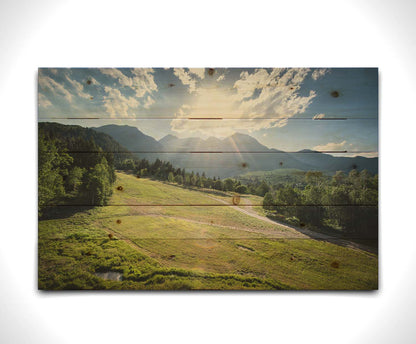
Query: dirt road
x: 306, y: 233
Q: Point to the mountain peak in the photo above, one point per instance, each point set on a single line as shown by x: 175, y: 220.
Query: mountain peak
x: 237, y: 134
x: 117, y: 126
x: 168, y: 137
x: 244, y: 142
x: 308, y: 151
x: 131, y: 137
x: 212, y: 139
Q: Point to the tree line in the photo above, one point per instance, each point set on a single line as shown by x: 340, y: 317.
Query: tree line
x: 164, y: 171
x: 344, y: 202
x: 80, y: 177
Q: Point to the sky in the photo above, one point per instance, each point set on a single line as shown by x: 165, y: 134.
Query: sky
x: 325, y: 109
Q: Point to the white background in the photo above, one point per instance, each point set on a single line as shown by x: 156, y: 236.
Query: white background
x: 204, y: 34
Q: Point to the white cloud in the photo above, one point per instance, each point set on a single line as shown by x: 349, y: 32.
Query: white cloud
x: 199, y: 72
x: 117, y: 105
x: 149, y: 102
x: 77, y: 87
x: 141, y: 82
x: 334, y: 146
x: 43, y: 101
x: 278, y: 96
x: 122, y: 79
x: 92, y: 81
x: 318, y: 73
x: 50, y: 91
x: 368, y: 154
x: 319, y: 116
x: 260, y: 99
x: 191, y: 77
x: 47, y: 84
x: 186, y: 78
x: 351, y: 149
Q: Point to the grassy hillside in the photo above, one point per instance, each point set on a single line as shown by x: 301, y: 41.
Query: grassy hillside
x: 179, y: 246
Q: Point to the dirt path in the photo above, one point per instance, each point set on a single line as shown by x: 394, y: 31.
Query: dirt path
x: 269, y: 233
x: 129, y: 242
x: 295, y: 230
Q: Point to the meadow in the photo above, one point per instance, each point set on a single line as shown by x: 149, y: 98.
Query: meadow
x: 162, y: 236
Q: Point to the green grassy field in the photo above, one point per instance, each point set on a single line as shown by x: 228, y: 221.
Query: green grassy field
x: 154, y: 237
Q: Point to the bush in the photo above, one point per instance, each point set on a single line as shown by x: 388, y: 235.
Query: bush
x: 293, y: 221
x: 268, y: 201
x: 242, y: 189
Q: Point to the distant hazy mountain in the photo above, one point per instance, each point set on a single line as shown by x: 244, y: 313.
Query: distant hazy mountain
x: 237, y: 141
x: 244, y: 143
x: 131, y: 138
x: 236, y: 154
x: 173, y: 143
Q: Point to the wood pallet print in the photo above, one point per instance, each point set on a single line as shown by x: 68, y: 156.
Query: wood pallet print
x: 208, y: 178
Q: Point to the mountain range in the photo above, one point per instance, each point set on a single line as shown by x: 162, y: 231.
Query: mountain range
x: 131, y: 138
x: 231, y: 156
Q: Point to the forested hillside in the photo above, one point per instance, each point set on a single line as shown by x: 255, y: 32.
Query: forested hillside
x: 75, y: 164
x: 348, y: 203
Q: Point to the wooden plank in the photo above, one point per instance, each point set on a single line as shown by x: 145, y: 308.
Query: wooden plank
x: 243, y: 166
x: 311, y: 134
x: 282, y: 84
x: 213, y: 221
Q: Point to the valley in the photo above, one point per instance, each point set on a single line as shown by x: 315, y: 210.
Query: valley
x: 160, y: 235
x: 232, y: 156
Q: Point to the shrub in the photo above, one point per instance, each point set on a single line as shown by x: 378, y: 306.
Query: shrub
x: 242, y: 189
x: 293, y: 220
